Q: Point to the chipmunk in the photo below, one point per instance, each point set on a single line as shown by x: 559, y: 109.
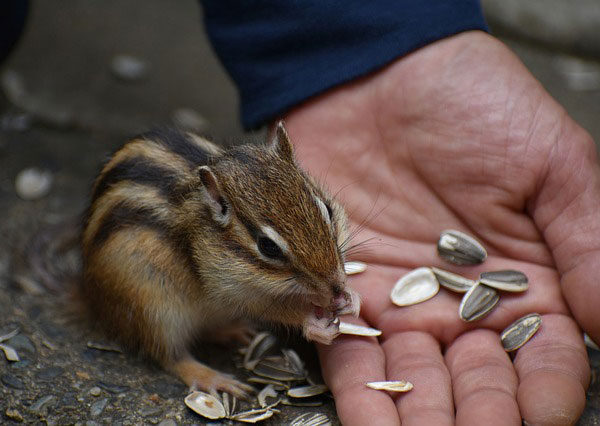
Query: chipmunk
x: 182, y: 239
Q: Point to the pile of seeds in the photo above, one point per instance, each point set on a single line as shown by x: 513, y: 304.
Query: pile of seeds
x: 480, y: 296
x: 285, y: 381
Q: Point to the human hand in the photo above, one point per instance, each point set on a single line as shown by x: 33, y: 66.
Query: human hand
x: 460, y: 135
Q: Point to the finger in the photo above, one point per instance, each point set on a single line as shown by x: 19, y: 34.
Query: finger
x: 484, y: 381
x: 347, y: 365
x: 554, y: 373
x: 566, y: 210
x: 416, y: 357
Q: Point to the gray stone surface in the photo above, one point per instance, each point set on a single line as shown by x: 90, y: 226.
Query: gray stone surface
x: 70, y: 111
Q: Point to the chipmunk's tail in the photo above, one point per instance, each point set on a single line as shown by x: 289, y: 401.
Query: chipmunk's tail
x: 51, y: 259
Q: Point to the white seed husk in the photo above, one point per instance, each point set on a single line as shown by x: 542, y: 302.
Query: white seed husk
x: 460, y: 249
x: 266, y: 381
x: 10, y: 353
x: 206, y: 405
x: 519, y: 332
x: 261, y: 343
x: 267, y: 392
x: 293, y: 360
x: 507, y: 280
x: 392, y: 386
x: 307, y: 391
x: 358, y: 330
x: 415, y: 287
x: 253, y: 416
x: 589, y: 342
x: 452, y: 281
x: 352, y: 268
x: 276, y: 370
x: 478, y: 302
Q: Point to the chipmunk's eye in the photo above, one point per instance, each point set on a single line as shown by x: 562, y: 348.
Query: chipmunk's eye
x: 269, y: 248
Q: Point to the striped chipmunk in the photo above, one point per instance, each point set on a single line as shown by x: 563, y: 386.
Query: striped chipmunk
x: 186, y: 241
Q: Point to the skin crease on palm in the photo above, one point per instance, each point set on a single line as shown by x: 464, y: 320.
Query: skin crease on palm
x: 459, y: 135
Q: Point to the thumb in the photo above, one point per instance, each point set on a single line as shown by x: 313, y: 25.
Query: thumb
x: 567, y: 211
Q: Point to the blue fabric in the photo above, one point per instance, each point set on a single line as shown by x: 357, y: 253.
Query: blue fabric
x: 281, y: 52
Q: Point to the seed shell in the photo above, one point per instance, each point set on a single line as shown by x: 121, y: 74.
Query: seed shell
x: 9, y: 352
x: 477, y: 302
x: 267, y: 392
x: 589, y: 342
x: 206, y: 405
x: 415, y: 287
x: 519, y: 332
x: 260, y: 345
x: 507, y: 280
x: 311, y: 419
x: 460, y: 249
x: 452, y: 281
x: 253, y: 416
x: 358, y: 330
x: 392, y: 386
x: 307, y: 391
x: 352, y: 268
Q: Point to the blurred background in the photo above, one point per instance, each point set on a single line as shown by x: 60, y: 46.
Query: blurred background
x: 88, y: 73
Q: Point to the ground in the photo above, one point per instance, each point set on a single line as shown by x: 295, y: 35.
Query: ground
x: 62, y: 109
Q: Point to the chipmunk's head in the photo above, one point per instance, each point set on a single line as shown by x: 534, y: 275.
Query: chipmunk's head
x: 283, y: 237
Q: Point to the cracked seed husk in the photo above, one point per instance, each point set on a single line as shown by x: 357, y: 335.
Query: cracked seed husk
x: 519, y: 332
x: 358, y: 330
x: 415, y: 287
x: 206, y: 405
x: 478, y: 302
x: 392, y: 386
x: 460, y: 249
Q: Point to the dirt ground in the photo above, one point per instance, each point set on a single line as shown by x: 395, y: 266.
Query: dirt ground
x: 62, y: 108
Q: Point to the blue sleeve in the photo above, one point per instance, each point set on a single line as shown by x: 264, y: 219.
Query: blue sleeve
x: 281, y: 52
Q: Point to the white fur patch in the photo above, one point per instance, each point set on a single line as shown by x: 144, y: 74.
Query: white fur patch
x: 323, y: 209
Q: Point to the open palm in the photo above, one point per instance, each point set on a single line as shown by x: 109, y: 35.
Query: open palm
x: 459, y: 135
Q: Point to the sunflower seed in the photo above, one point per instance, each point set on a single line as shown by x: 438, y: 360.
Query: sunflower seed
x: 311, y: 419
x: 293, y: 359
x: 478, y: 302
x: 352, y: 268
x: 358, y: 330
x: 206, y: 405
x: 460, y: 249
x: 225, y: 401
x: 253, y: 416
x: 268, y: 391
x: 10, y: 335
x: 453, y: 281
x: 260, y: 345
x: 417, y: 286
x: 507, y: 280
x: 276, y: 370
x: 519, y: 332
x: 265, y: 381
x: 9, y: 352
x: 392, y: 386
x: 589, y: 342
x: 307, y: 391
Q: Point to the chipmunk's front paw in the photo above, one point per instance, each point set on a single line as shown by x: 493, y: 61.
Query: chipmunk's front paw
x: 322, y: 330
x: 346, y: 303
x: 200, y: 377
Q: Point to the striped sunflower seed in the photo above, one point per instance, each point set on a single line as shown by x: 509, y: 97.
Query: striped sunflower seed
x: 453, y: 281
x: 477, y: 302
x: 519, y: 332
x: 460, y: 249
x: 507, y: 280
x: 415, y: 287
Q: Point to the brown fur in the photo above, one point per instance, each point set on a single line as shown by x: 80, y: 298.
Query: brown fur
x: 170, y: 245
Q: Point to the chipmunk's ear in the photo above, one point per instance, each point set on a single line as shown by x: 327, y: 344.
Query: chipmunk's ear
x: 213, y: 196
x: 280, y: 144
